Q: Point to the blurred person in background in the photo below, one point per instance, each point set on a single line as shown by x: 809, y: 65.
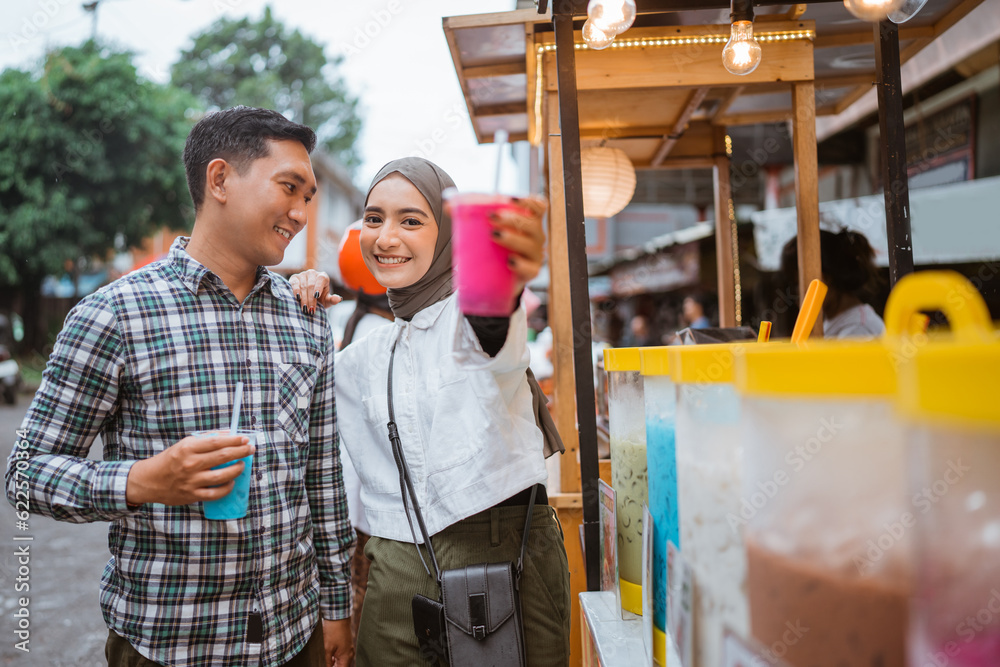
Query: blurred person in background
x: 638, y: 334
x: 849, y: 272
x: 693, y: 311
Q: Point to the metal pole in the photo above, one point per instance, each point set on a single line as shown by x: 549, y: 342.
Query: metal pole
x: 892, y: 142
x: 569, y: 124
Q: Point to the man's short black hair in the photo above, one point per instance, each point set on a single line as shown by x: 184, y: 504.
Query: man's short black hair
x: 239, y: 136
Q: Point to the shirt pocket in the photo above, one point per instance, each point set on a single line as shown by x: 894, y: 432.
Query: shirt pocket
x: 377, y: 411
x: 296, y: 382
x: 460, y: 424
x: 376, y: 468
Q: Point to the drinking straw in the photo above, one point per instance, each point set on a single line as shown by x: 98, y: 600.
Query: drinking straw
x: 237, y: 404
x: 809, y: 311
x: 500, y: 139
x: 764, y: 333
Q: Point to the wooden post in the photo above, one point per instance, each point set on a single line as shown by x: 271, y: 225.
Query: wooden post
x: 579, y: 297
x: 806, y: 188
x: 892, y: 143
x: 569, y: 503
x: 725, y: 272
x: 560, y: 316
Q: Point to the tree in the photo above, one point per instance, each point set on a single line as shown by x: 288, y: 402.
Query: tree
x: 90, y: 162
x: 264, y: 64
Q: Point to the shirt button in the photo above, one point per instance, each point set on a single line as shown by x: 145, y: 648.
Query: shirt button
x: 253, y: 419
x: 260, y: 475
x: 249, y: 363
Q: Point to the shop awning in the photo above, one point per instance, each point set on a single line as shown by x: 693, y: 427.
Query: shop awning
x: 971, y: 234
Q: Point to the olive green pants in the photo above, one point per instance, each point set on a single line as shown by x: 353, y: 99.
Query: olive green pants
x: 386, y: 637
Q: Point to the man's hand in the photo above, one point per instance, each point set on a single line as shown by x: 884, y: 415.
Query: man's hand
x: 337, y: 642
x: 182, y: 473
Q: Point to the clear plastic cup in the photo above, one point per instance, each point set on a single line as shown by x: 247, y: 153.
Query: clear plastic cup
x: 483, y: 278
x: 234, y: 504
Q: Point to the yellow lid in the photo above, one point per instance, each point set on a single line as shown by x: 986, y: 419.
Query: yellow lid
x: 952, y: 380
x: 654, y: 361
x: 621, y: 359
x: 953, y: 383
x: 816, y: 368
x: 947, y: 291
x: 704, y: 364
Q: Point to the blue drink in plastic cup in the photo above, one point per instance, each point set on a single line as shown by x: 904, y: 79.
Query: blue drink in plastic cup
x: 234, y: 504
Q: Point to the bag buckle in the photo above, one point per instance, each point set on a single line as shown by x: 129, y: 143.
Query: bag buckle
x: 477, y: 615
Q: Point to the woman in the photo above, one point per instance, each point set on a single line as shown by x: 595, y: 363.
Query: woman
x: 849, y: 272
x: 472, y: 427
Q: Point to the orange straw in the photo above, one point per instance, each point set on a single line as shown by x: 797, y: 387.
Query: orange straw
x: 809, y: 311
x: 764, y: 333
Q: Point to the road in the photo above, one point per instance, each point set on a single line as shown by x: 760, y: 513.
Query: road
x: 65, y: 562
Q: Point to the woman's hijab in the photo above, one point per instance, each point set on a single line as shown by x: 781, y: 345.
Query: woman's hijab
x: 436, y: 284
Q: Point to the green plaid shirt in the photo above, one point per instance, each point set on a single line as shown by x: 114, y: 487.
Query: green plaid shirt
x: 145, y: 362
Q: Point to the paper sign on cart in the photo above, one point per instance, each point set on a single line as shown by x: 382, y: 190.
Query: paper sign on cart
x: 609, y: 541
x: 680, y: 603
x: 746, y: 652
x: 647, y: 584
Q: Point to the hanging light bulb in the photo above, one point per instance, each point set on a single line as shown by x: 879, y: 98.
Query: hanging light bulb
x: 872, y: 10
x: 741, y: 54
x: 907, y: 11
x: 596, y: 38
x: 611, y: 16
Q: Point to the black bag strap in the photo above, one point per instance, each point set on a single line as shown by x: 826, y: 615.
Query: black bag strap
x: 406, y: 488
x: 405, y: 482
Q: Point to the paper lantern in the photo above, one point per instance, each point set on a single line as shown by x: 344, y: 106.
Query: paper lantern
x: 608, y: 181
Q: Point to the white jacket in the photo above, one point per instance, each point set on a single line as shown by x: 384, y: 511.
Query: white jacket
x: 465, y: 419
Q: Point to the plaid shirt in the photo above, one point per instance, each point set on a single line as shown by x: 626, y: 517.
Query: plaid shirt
x: 145, y: 362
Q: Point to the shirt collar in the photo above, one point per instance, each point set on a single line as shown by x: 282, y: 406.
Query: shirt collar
x: 429, y: 315
x: 192, y: 272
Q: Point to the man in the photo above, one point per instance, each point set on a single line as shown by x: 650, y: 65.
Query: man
x: 694, y: 312
x: 155, y: 356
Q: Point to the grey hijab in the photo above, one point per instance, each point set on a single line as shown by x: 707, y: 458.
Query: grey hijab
x: 436, y: 285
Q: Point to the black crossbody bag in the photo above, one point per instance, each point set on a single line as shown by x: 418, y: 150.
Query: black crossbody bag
x: 477, y: 623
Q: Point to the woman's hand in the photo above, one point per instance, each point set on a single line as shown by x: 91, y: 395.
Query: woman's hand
x: 312, y: 288
x: 522, y: 233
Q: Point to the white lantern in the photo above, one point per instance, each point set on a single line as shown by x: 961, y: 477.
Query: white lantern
x: 608, y: 181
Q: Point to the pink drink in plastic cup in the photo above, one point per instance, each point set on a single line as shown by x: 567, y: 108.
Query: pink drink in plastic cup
x: 483, y: 279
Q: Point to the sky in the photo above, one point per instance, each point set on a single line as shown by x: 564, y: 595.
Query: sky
x: 396, y: 60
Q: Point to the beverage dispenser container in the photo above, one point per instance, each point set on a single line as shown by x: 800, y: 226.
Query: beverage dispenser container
x: 626, y: 412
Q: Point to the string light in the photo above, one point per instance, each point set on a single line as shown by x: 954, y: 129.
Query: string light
x: 738, y: 287
x: 660, y: 42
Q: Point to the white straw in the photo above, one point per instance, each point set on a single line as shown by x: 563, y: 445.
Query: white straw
x: 235, y: 423
x: 500, y: 139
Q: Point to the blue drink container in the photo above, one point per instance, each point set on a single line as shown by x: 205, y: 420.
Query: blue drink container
x: 661, y: 461
x: 234, y: 504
